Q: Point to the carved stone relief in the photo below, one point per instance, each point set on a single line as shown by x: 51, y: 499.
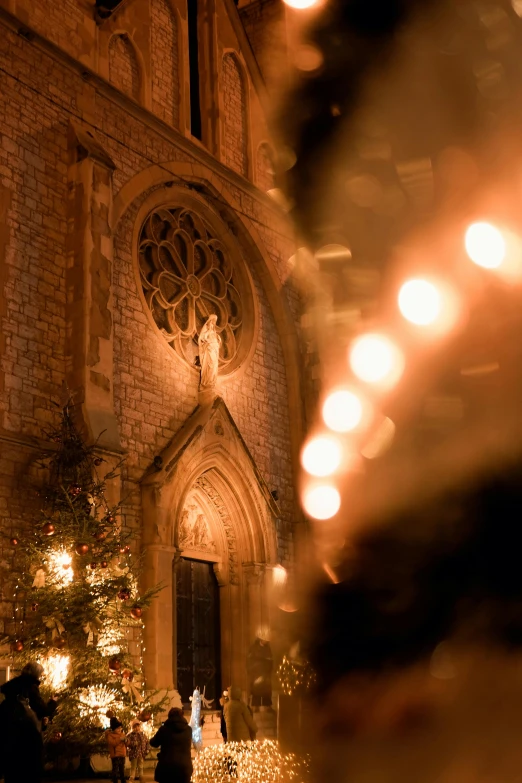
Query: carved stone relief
x: 194, y: 532
x: 214, y: 496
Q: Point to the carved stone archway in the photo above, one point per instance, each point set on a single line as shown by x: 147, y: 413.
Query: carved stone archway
x: 208, y: 470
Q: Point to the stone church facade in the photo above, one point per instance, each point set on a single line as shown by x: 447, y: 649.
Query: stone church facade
x: 135, y: 160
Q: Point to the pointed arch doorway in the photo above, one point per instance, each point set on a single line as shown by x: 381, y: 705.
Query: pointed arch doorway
x: 207, y: 511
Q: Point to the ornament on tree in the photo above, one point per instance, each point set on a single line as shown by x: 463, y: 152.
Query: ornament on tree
x: 136, y: 612
x: 56, y: 737
x: 124, y: 550
x: 114, y: 665
x: 93, y: 566
x: 101, y: 534
x: 39, y: 578
x: 103, y: 564
x: 14, y: 541
x: 127, y: 674
x: 17, y: 646
x: 75, y: 490
x: 131, y: 688
x: 110, y: 519
x: 34, y: 607
x: 81, y: 549
x: 59, y: 643
x: 145, y: 716
x: 124, y: 594
x: 48, y: 529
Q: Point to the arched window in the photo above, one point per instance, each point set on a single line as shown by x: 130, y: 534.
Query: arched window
x: 265, y: 167
x: 235, y: 116
x: 165, y: 62
x: 124, y: 71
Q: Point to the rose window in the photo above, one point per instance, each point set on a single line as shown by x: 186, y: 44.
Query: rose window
x: 187, y: 275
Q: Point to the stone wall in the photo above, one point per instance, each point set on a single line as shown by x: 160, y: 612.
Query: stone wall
x: 165, y: 62
x: 44, y: 94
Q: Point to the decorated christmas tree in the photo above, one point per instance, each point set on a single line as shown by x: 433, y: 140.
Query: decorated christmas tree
x: 73, y: 581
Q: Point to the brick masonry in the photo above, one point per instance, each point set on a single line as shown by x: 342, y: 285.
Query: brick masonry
x: 154, y: 392
x: 165, y: 62
x: 235, y: 111
x: 124, y: 70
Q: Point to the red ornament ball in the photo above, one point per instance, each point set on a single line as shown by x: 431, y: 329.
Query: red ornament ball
x: 48, y: 529
x: 136, y: 612
x: 98, y: 461
x: 14, y: 541
x: 17, y: 646
x: 128, y: 674
x: 114, y: 664
x: 103, y: 564
x: 110, y: 714
x: 59, y: 642
x: 82, y: 549
x: 110, y: 519
x: 94, y: 565
x: 75, y: 490
x: 124, y: 594
x: 56, y: 737
x: 101, y: 534
x: 145, y: 715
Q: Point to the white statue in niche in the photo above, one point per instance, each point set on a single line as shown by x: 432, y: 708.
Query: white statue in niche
x: 194, y: 532
x: 209, y: 343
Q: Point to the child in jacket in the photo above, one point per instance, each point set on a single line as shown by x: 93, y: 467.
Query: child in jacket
x: 117, y: 750
x: 137, y: 747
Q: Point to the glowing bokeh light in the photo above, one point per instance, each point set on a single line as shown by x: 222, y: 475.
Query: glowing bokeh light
x: 376, y: 359
x: 321, y: 501
x: 60, y: 567
x: 321, y: 456
x: 301, y: 5
x: 279, y: 575
x: 485, y: 245
x: 94, y: 703
x: 342, y: 411
x: 420, y: 302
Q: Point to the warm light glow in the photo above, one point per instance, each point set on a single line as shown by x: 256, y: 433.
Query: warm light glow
x: 380, y: 440
x: 251, y: 762
x: 56, y: 671
x: 279, y: 575
x: 321, y: 456
x: 376, y: 359
x: 110, y: 641
x: 94, y: 703
x: 485, y: 245
x: 301, y: 4
x: 342, y: 411
x: 321, y: 501
x: 420, y: 302
x: 60, y: 567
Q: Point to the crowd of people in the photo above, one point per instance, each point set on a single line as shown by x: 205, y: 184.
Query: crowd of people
x: 24, y: 715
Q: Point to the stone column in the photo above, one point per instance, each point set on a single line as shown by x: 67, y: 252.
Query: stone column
x: 159, y: 642
x: 89, y: 340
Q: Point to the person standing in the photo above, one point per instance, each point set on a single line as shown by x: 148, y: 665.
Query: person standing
x: 138, y: 747
x: 22, y: 714
x: 174, y: 738
x: 259, y: 668
x: 117, y: 750
x: 241, y: 726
